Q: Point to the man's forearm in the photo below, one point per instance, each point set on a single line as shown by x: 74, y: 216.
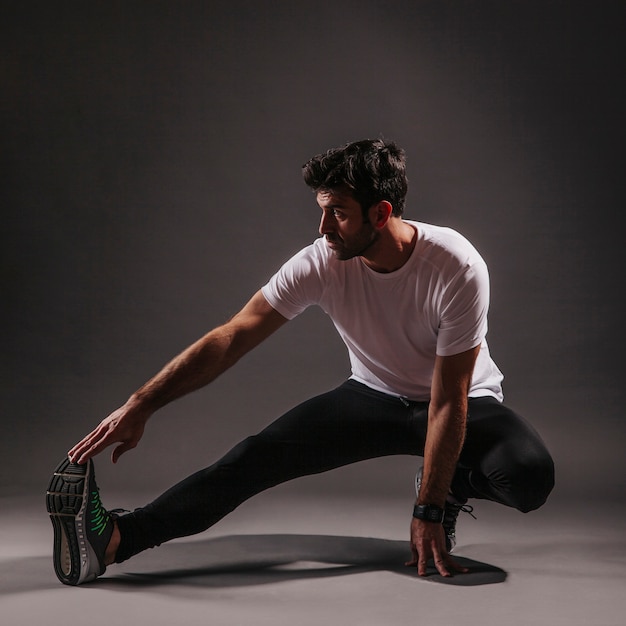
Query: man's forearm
x: 197, y: 366
x: 203, y: 361
x: 447, y: 418
x: 444, y: 440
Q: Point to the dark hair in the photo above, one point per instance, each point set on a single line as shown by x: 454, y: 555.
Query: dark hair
x: 372, y: 169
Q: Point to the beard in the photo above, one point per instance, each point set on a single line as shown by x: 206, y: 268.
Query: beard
x: 353, y: 246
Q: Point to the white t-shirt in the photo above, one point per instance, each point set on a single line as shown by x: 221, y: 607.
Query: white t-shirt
x: 394, y: 324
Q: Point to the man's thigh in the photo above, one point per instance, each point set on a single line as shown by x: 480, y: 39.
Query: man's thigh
x: 493, y: 427
x: 348, y: 424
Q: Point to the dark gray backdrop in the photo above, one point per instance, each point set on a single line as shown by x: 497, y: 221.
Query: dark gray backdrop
x: 151, y: 157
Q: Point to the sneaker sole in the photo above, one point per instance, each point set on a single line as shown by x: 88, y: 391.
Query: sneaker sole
x: 66, y: 502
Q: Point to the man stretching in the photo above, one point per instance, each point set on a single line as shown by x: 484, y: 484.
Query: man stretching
x: 410, y: 302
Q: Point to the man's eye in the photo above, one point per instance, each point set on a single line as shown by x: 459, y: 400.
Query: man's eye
x: 337, y: 214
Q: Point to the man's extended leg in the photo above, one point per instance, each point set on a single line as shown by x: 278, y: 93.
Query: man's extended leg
x: 349, y: 424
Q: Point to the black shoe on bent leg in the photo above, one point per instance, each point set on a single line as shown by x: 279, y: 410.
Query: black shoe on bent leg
x: 82, y: 527
x: 451, y: 510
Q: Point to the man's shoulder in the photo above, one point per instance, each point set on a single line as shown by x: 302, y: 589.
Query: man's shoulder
x: 312, y: 262
x: 443, y: 242
x: 444, y: 235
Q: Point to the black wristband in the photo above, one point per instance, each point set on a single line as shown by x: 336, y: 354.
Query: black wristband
x: 428, y: 513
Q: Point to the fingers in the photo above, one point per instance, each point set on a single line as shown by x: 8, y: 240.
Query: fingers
x: 456, y: 566
x: 125, y: 427
x: 414, y: 557
x: 443, y: 564
x: 428, y: 544
x: 83, y: 452
x: 88, y: 447
x: 446, y: 564
x: 108, y: 432
x: 440, y: 565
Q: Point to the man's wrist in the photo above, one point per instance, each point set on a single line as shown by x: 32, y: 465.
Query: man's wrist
x: 428, y: 513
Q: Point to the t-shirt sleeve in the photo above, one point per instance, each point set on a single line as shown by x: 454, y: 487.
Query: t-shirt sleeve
x: 463, y: 322
x: 297, y: 284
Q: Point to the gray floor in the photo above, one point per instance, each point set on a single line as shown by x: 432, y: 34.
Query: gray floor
x: 297, y: 559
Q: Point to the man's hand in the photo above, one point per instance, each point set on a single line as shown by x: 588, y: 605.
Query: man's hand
x: 124, y: 426
x: 428, y: 541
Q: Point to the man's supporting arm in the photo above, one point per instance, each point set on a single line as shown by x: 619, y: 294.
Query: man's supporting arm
x: 447, y: 415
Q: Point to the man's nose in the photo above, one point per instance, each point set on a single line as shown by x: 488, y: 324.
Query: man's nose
x: 326, y: 223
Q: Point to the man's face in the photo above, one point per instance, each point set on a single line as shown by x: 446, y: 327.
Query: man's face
x: 347, y: 233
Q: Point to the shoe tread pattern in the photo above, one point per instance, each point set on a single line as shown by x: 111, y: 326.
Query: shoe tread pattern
x: 64, y: 500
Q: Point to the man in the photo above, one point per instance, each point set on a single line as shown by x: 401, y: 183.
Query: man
x: 410, y: 302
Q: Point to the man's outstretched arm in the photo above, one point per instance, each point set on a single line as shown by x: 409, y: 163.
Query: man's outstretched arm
x: 195, y: 367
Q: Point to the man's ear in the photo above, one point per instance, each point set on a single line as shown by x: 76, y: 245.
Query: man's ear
x: 381, y: 214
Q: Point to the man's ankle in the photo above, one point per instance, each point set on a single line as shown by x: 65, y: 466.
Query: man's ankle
x: 114, y: 543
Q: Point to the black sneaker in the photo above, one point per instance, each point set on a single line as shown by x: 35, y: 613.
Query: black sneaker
x: 82, y: 527
x: 451, y: 510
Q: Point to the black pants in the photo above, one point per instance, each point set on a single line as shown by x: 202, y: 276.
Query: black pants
x: 503, y: 459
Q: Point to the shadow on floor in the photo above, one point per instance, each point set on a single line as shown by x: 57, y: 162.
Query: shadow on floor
x: 244, y: 560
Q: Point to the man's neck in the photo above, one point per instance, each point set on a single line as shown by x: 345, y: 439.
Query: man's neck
x: 394, y: 247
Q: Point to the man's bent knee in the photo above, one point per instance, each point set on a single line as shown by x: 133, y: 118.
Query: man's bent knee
x: 535, y: 482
